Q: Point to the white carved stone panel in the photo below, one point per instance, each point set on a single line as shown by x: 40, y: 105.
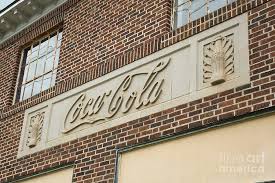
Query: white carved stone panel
x: 137, y: 90
x: 218, y: 60
x: 223, y: 59
x: 204, y: 64
x: 35, y: 129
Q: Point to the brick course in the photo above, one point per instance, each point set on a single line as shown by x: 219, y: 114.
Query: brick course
x: 97, y: 42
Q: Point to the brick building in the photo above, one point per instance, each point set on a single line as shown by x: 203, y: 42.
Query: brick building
x: 137, y: 91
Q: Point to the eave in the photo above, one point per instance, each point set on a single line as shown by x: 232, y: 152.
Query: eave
x: 23, y: 13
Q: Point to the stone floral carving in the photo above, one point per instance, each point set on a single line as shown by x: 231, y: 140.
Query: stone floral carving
x: 218, y: 60
x: 35, y: 129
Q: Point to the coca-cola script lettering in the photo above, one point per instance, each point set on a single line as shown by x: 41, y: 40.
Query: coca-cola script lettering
x: 90, y: 110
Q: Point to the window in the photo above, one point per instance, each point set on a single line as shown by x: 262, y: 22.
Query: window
x: 188, y: 10
x: 39, y: 66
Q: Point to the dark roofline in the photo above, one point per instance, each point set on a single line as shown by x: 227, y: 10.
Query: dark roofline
x: 12, y: 3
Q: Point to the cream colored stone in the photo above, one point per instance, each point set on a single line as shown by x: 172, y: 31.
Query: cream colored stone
x: 35, y: 129
x: 180, y: 71
x: 218, y: 60
x: 59, y: 176
x: 237, y: 153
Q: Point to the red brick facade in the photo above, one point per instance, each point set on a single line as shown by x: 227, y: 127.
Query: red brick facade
x: 101, y: 36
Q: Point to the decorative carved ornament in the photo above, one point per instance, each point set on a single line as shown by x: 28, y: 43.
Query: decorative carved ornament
x: 218, y: 60
x: 35, y: 129
x: 90, y: 110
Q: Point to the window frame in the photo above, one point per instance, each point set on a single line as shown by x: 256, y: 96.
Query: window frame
x: 23, y: 62
x: 174, y: 13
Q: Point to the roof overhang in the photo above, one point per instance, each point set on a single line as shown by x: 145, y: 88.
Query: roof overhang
x: 23, y: 13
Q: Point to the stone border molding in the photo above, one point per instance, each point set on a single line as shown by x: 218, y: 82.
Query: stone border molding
x: 168, y: 78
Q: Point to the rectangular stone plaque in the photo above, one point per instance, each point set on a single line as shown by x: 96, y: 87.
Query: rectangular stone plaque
x: 199, y: 66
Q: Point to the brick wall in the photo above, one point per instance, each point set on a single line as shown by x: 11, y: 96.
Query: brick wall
x: 95, y: 31
x: 90, y: 51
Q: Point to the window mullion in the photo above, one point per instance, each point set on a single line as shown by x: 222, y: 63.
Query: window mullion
x: 54, y: 60
x: 35, y: 70
x: 189, y: 11
x: 46, y: 55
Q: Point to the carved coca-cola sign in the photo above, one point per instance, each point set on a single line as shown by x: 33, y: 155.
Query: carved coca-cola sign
x: 207, y: 63
x: 90, y: 110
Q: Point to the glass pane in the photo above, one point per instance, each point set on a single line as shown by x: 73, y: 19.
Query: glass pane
x: 56, y: 58
x: 27, y: 55
x: 43, y: 51
x: 59, y: 39
x: 22, y: 92
x: 34, y: 55
x: 35, y: 47
x: 216, y: 4
x: 31, y: 71
x: 53, y: 78
x: 182, y: 2
x: 60, y: 35
x: 230, y: 1
x: 52, y: 42
x: 28, y: 91
x: 40, y: 66
x: 183, y: 13
x: 28, y: 51
x: 49, y: 64
x: 182, y: 18
x: 37, y: 86
x: 25, y: 73
x: 198, y: 9
x: 46, y: 81
x: 58, y: 43
x: 44, y: 43
x: 43, y: 48
x: 28, y: 59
